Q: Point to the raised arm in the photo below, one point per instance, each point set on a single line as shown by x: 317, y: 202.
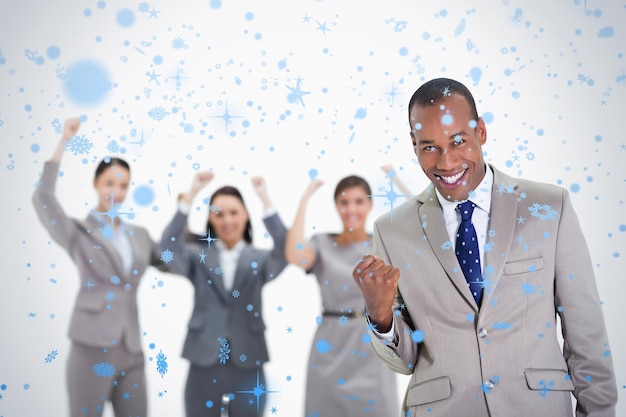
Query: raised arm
x: 173, y: 238
x: 297, y: 251
x: 276, y: 228
x: 70, y: 127
x: 48, y: 209
x: 200, y: 180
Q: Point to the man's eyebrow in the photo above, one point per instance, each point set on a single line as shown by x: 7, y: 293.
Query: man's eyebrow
x: 425, y: 141
x: 460, y: 133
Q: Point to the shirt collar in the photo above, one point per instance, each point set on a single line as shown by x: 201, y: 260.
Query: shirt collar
x: 104, y: 221
x: 237, y: 249
x: 481, y: 196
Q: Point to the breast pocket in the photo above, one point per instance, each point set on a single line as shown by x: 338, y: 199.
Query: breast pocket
x: 428, y: 391
x: 526, y: 266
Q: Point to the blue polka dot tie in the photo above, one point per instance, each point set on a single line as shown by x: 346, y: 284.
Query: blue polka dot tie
x: 467, y: 251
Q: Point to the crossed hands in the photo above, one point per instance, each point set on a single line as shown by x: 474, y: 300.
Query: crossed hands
x: 378, y: 283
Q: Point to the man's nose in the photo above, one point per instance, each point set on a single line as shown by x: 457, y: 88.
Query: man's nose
x: 445, y: 160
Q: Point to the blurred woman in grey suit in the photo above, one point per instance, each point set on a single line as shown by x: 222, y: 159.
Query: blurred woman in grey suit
x: 106, y: 362
x: 225, y: 342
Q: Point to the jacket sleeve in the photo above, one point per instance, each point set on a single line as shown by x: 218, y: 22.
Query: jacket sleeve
x: 276, y: 261
x: 61, y: 228
x: 174, y: 252
x: 586, y: 345
x: 401, y: 354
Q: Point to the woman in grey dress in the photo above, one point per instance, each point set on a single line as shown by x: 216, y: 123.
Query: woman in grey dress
x: 106, y: 362
x: 344, y: 378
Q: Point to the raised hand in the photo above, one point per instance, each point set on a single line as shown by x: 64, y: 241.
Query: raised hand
x: 378, y: 283
x: 70, y: 127
x: 260, y: 187
x: 200, y: 180
x: 312, y: 188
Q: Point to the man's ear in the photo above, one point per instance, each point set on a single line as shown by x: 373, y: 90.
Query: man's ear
x: 481, y: 129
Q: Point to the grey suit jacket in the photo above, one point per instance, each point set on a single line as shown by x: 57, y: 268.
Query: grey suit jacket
x: 504, y: 359
x: 217, y: 313
x: 105, y: 311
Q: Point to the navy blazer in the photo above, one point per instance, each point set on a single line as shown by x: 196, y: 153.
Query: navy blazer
x: 219, y: 315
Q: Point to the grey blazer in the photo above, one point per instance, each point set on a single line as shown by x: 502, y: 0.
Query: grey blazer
x: 105, y: 311
x: 218, y: 314
x: 503, y: 359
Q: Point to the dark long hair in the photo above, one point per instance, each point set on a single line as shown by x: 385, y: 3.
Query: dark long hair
x: 352, y: 181
x: 108, y: 162
x: 231, y: 191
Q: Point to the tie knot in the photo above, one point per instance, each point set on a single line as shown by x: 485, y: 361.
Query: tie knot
x: 466, y: 209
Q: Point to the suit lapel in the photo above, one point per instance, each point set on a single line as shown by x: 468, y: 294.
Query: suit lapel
x: 431, y: 216
x: 215, y: 274
x: 243, y: 266
x: 503, y: 214
x: 104, y: 244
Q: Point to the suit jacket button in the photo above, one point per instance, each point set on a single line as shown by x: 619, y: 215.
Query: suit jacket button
x: 482, y: 332
x: 488, y: 386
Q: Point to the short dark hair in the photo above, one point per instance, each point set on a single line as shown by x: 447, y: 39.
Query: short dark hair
x: 352, y: 181
x: 436, y: 90
x: 109, y: 162
x: 231, y: 191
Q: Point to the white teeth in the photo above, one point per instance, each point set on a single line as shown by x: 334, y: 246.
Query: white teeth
x: 452, y: 179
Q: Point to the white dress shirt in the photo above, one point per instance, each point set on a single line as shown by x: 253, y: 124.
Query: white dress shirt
x: 119, y: 239
x: 228, y: 261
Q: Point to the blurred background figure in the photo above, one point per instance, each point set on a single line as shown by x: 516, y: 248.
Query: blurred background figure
x: 343, y: 376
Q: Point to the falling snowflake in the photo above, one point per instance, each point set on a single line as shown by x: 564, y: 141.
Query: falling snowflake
x: 242, y: 358
x: 187, y: 127
x: 196, y: 166
x: 51, y: 356
x: 158, y: 113
x: 319, y: 320
x: 542, y: 212
x: 400, y: 26
x: 343, y: 320
x: 446, y: 92
x: 133, y: 132
x: 224, y: 349
x: 104, y: 369
x: 167, y: 256
x: 218, y: 270
x: 147, y: 92
x: 235, y: 293
x: 530, y: 156
x: 144, y: 7
x: 79, y: 145
x: 460, y: 28
x: 26, y: 387
x: 161, y: 363
x: 178, y: 44
x: 446, y: 245
x: 58, y: 127
x: 113, y: 147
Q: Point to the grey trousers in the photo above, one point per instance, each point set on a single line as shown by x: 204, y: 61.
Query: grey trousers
x: 206, y: 385
x: 96, y: 375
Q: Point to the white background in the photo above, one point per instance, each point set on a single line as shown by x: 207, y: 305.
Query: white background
x: 552, y: 78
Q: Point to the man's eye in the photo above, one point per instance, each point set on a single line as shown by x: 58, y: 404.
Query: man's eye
x: 430, y: 148
x: 458, y: 140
